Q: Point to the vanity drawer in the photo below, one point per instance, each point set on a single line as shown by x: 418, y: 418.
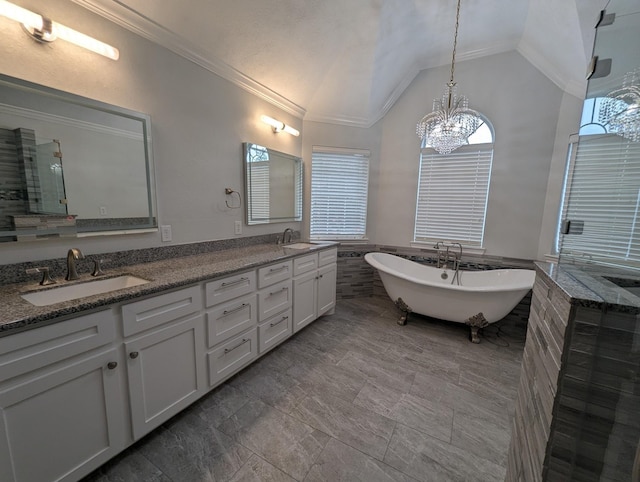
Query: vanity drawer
x: 274, y: 330
x: 327, y: 256
x: 274, y: 273
x: 145, y: 314
x: 304, y: 264
x: 40, y: 347
x: 225, y: 289
x: 231, y: 318
x: 229, y: 357
x: 274, y: 299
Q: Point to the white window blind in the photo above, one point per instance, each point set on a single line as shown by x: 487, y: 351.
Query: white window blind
x: 452, y: 195
x: 602, y: 189
x: 258, y: 196
x: 339, y: 190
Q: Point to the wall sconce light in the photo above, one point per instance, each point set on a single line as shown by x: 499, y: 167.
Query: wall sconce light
x: 279, y: 126
x: 45, y: 30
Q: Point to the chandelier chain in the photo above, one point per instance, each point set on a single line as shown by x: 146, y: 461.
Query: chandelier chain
x: 455, y: 42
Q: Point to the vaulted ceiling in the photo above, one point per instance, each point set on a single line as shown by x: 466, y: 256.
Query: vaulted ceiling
x: 347, y: 61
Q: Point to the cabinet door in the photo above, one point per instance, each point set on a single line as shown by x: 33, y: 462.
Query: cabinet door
x: 62, y: 424
x: 326, y: 288
x: 304, y: 300
x: 166, y: 370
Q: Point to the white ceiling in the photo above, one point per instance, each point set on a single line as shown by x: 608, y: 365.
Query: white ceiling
x: 347, y: 61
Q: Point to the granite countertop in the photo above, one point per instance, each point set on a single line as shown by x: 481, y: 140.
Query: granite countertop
x: 18, y: 314
x: 594, y: 285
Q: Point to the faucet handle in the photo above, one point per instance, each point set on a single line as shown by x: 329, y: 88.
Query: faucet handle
x: 97, y: 266
x: 46, y: 275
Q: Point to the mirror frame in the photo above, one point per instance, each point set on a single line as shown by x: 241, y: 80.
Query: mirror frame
x: 91, y: 230
x: 250, y: 219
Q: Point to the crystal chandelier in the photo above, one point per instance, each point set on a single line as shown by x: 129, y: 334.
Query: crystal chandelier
x: 620, y: 109
x: 451, y: 122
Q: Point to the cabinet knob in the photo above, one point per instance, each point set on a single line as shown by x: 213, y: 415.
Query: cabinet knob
x: 111, y: 365
x: 133, y: 355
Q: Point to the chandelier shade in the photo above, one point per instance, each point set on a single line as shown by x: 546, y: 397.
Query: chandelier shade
x: 620, y: 109
x: 451, y: 122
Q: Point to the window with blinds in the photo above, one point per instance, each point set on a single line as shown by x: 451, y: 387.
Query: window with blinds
x: 339, y: 190
x: 452, y: 195
x: 258, y: 195
x: 602, y: 198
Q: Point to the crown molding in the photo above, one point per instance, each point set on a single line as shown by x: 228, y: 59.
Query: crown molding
x: 572, y: 86
x: 118, y: 13
x: 360, y: 122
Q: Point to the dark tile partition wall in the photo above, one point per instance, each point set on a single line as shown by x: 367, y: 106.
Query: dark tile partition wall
x: 596, y: 426
x: 541, y: 362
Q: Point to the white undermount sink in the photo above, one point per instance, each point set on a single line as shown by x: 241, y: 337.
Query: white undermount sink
x: 300, y: 245
x: 80, y: 290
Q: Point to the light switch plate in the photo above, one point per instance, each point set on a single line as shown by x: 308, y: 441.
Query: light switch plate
x: 165, y: 232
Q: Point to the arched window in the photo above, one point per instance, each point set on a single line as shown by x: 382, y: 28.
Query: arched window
x: 453, y: 190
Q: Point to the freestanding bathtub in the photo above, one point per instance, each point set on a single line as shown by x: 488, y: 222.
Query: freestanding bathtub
x: 482, y: 297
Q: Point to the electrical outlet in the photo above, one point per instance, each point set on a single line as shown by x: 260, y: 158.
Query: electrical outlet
x: 238, y: 227
x: 165, y: 232
x: 103, y: 210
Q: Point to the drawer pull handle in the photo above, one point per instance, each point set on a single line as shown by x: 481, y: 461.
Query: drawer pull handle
x: 228, y: 312
x: 228, y: 350
x: 284, y: 318
x: 281, y: 268
x: 111, y: 365
x: 279, y: 291
x: 232, y: 283
x: 133, y: 355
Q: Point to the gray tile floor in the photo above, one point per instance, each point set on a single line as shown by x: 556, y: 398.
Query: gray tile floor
x: 353, y: 397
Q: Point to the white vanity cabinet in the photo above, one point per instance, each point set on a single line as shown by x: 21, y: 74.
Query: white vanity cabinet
x: 164, y: 357
x: 75, y: 393
x: 61, y: 400
x: 314, y: 286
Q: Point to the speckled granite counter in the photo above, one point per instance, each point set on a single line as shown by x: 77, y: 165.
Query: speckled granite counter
x: 17, y: 314
x: 595, y: 286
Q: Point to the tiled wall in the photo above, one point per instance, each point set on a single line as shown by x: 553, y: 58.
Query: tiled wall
x: 541, y: 362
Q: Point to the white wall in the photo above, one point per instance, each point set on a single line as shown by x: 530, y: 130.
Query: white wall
x: 330, y: 135
x: 199, y: 122
x: 524, y: 108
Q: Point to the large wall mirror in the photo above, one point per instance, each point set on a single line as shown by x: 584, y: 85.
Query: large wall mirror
x: 71, y: 166
x: 273, y: 185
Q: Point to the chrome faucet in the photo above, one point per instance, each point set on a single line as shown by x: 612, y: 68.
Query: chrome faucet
x: 284, y: 235
x: 73, y: 255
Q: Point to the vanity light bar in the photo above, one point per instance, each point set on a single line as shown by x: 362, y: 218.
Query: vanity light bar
x: 45, y: 30
x: 279, y: 126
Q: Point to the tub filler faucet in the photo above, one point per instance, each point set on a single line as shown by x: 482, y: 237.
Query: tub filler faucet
x: 447, y: 257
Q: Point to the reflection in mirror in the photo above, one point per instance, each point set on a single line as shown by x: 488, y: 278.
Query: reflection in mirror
x: 71, y: 165
x: 274, y: 185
